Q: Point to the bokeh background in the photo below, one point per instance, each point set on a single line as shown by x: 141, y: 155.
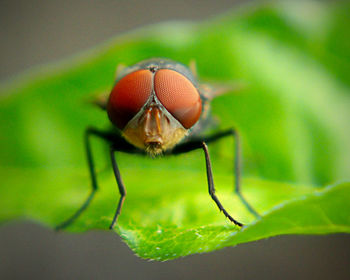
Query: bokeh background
x: 38, y: 32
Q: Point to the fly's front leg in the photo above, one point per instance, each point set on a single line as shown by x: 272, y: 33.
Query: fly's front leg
x: 91, y: 166
x: 118, y: 144
x: 197, y: 143
x: 237, y: 163
x: 211, y: 186
x: 121, y: 187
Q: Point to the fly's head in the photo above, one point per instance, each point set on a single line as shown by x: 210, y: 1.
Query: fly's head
x: 155, y: 103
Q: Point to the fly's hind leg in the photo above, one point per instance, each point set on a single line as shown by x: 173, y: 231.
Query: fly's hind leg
x: 237, y: 171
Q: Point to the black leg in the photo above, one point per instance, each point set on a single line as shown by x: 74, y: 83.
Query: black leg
x: 196, y: 143
x: 121, y: 187
x: 212, y: 188
x: 237, y: 172
x: 88, y: 132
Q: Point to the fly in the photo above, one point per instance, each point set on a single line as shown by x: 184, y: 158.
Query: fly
x: 158, y: 107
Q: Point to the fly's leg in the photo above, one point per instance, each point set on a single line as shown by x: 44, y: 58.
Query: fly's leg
x: 110, y: 137
x: 200, y: 144
x: 212, y: 188
x: 237, y: 164
x: 237, y: 172
x: 121, y: 187
x: 117, y: 144
x: 197, y: 143
x: 94, y: 187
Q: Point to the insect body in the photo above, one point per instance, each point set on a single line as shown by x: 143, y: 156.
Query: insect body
x: 159, y: 108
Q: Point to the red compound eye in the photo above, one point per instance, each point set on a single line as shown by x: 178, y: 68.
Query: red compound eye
x: 179, y: 96
x: 128, y: 96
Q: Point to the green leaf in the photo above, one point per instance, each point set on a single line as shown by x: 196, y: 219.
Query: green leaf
x: 293, y: 115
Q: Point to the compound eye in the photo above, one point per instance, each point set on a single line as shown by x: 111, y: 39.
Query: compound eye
x: 179, y: 96
x: 128, y: 96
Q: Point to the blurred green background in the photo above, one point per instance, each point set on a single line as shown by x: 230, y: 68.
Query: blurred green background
x: 301, y: 51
